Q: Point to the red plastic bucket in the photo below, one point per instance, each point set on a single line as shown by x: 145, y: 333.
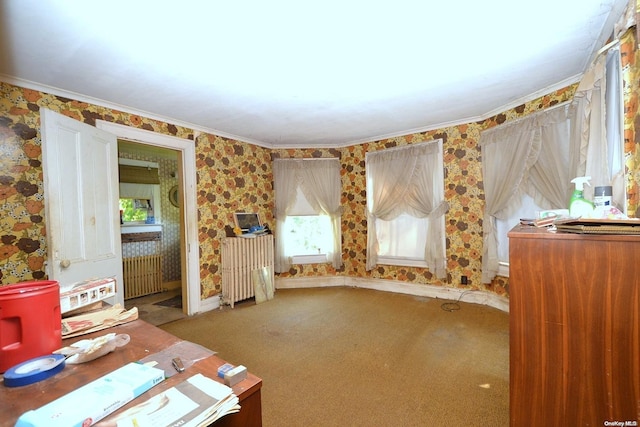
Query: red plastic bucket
x: 30, y: 321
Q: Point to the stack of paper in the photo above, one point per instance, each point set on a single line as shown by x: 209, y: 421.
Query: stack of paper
x: 197, y: 401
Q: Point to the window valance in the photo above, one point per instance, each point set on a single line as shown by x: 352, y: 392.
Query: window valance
x: 138, y: 174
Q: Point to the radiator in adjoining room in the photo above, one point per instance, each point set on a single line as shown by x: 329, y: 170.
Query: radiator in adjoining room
x: 240, y: 258
x: 142, y: 275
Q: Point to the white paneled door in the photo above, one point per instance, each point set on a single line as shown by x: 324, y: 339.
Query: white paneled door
x: 80, y: 164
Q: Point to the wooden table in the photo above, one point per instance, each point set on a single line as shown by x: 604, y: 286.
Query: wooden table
x: 146, y: 340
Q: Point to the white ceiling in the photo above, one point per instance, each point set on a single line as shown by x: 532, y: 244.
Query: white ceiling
x: 290, y: 73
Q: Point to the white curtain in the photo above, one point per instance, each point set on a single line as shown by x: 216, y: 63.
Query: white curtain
x: 507, y: 153
x: 549, y: 179
x: 404, y: 180
x: 599, y: 96
x: 591, y: 117
x: 534, y: 156
x: 319, y: 180
x: 539, y: 154
x: 614, y: 125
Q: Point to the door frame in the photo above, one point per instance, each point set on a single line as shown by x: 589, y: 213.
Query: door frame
x: 190, y: 254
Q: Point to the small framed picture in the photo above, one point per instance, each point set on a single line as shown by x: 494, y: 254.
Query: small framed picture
x: 244, y: 221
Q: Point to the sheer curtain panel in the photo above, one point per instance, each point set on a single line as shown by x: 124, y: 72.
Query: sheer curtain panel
x: 540, y: 154
x: 405, y: 180
x: 534, y: 156
x: 319, y: 181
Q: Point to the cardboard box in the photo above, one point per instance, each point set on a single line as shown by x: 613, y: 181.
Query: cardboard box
x: 86, y: 293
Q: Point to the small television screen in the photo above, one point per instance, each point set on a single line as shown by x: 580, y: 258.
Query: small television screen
x: 245, y: 221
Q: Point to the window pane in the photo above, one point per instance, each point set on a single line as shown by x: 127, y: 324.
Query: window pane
x: 403, y: 237
x: 130, y: 212
x: 307, y: 235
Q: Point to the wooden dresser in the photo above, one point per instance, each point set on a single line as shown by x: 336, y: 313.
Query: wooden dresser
x: 574, y: 328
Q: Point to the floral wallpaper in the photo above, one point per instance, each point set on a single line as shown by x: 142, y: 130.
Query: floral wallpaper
x: 631, y: 87
x: 234, y: 176
x: 22, y: 227
x: 23, y: 245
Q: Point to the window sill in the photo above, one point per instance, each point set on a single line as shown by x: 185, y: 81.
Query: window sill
x: 309, y: 259
x: 402, y: 262
x: 139, y: 228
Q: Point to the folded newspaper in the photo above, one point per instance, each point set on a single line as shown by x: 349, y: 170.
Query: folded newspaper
x: 197, y: 401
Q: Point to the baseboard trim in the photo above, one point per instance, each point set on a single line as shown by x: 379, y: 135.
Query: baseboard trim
x: 309, y: 282
x: 171, y: 286
x: 475, y: 296
x: 209, y: 304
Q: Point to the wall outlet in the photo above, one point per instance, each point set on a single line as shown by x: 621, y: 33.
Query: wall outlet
x: 464, y: 280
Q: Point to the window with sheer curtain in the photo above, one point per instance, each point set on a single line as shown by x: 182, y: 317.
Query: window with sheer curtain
x: 406, y: 207
x: 308, y: 212
x: 545, y: 151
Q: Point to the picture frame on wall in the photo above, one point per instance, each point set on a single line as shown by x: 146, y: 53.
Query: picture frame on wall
x: 244, y: 221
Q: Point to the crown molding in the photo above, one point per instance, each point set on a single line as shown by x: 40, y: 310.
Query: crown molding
x: 114, y: 106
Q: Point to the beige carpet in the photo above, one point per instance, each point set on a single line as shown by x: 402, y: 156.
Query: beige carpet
x: 357, y: 357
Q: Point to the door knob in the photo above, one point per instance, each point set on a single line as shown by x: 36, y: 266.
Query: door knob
x: 65, y: 263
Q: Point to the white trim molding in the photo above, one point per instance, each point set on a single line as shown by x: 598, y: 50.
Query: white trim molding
x: 28, y: 84
x: 430, y: 291
x: 189, y: 226
x: 209, y: 304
